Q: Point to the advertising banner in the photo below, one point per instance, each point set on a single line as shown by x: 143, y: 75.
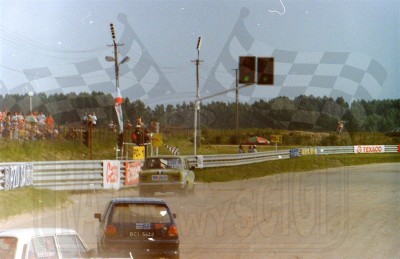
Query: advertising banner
x: 132, y: 170
x: 111, y: 174
x: 15, y: 176
x: 369, y: 149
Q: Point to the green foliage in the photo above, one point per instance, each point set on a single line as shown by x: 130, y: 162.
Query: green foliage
x: 301, y: 113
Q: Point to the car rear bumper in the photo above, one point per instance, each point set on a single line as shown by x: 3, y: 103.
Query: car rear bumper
x: 161, y: 187
x: 140, y: 249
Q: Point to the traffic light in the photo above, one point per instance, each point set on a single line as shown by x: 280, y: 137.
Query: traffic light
x: 85, y: 137
x: 120, y: 140
x: 247, y: 70
x: 265, y: 71
x: 112, y: 31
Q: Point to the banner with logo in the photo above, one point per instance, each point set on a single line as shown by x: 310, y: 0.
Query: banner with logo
x: 132, y: 170
x: 369, y: 149
x: 111, y: 174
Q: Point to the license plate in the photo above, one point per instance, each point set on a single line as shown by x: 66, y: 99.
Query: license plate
x: 159, y: 177
x: 141, y: 234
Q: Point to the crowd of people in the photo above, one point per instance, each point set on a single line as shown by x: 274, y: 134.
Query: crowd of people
x: 139, y: 133
x: 36, y: 125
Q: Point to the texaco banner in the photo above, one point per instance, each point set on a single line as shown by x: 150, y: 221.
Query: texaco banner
x: 369, y: 149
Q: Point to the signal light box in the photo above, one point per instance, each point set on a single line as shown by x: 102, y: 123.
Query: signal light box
x: 264, y: 75
x: 265, y: 71
x: 247, y: 70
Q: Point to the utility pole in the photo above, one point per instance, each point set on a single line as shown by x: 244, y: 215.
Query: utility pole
x: 197, y: 101
x: 237, y: 104
x: 118, y: 98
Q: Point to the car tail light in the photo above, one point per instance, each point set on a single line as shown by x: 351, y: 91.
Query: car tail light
x: 173, y: 231
x: 110, y: 230
x: 177, y: 177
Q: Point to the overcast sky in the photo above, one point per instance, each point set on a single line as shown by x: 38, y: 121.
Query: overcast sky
x: 160, y: 38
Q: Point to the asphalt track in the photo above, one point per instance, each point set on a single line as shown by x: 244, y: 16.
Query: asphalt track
x: 346, y: 212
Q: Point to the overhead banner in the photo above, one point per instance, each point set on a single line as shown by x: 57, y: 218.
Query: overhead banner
x: 111, y: 174
x: 369, y: 149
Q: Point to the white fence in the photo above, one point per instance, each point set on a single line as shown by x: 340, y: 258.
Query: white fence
x: 89, y: 174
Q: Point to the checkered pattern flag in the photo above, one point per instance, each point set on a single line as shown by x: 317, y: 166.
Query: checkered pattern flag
x: 140, y: 78
x: 173, y: 150
x: 332, y: 74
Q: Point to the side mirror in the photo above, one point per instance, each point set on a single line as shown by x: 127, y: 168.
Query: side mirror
x: 97, y: 216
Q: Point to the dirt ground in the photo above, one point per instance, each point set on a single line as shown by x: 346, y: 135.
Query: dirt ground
x: 347, y: 212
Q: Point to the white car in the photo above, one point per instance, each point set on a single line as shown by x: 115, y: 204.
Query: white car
x: 51, y: 243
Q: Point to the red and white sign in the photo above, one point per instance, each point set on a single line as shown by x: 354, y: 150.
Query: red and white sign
x: 132, y: 170
x: 369, y: 149
x: 111, y: 174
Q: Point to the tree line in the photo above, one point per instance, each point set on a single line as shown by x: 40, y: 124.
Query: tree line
x: 301, y: 113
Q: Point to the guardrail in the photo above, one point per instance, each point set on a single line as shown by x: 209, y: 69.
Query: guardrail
x: 88, y: 174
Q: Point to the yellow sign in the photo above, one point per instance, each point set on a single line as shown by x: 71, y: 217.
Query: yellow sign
x: 276, y: 138
x: 157, y: 140
x: 138, y: 152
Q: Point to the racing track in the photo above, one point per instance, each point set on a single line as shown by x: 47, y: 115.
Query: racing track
x: 348, y: 212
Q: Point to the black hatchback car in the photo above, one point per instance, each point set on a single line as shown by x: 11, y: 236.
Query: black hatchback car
x: 138, y: 227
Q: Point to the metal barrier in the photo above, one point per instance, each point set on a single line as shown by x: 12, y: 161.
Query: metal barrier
x: 88, y: 174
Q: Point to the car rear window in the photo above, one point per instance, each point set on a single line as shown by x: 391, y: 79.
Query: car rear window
x: 162, y: 163
x: 43, y: 247
x: 7, y: 247
x: 140, y: 213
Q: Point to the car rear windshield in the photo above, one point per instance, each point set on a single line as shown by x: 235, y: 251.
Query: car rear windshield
x: 162, y: 163
x: 7, y: 247
x: 140, y: 213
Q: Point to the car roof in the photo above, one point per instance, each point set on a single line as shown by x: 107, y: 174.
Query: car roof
x: 23, y: 233
x: 138, y: 200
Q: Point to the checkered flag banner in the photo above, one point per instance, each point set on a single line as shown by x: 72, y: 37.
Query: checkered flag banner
x: 348, y: 75
x: 140, y: 78
x: 173, y: 150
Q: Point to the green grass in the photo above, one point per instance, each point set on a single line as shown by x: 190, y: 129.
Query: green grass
x: 30, y: 200
x: 300, y: 164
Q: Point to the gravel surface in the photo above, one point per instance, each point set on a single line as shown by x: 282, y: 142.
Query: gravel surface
x: 347, y: 212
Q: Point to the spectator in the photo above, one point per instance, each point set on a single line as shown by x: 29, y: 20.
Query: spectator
x: 254, y: 149
x: 154, y: 126
x: 140, y: 123
x: 85, y: 119
x: 251, y: 149
x: 50, y: 122
x: 41, y: 120
x: 241, y: 150
x: 128, y: 125
x: 92, y: 120
x: 340, y: 127
x: 111, y: 126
